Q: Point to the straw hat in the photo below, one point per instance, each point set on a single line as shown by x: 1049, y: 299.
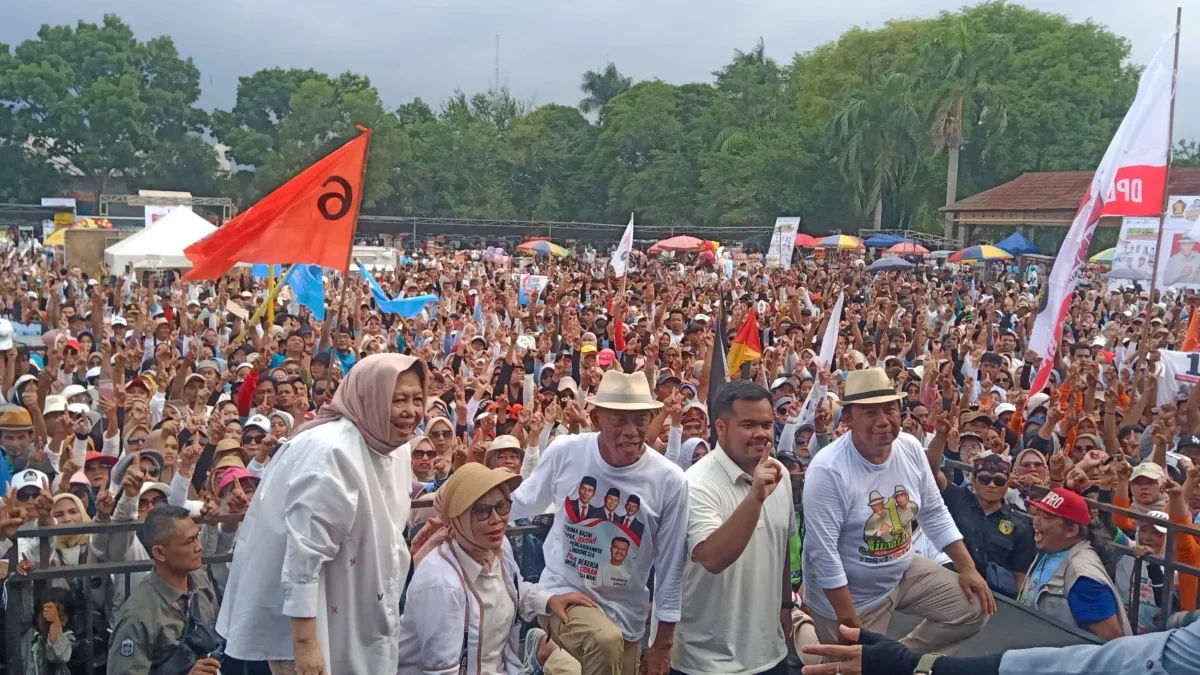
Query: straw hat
x: 618, y: 391
x: 469, y: 483
x: 869, y: 385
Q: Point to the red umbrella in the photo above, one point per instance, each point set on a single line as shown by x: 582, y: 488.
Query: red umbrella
x: 806, y: 241
x: 682, y: 243
x: 908, y: 248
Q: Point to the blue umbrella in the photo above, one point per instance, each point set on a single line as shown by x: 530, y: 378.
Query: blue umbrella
x: 891, y: 263
x: 884, y: 241
x: 1017, y: 244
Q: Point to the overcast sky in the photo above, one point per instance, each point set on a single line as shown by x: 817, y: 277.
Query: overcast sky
x: 428, y: 48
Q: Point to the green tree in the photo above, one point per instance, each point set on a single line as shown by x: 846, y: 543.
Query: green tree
x: 1186, y: 153
x: 874, y: 138
x: 956, y: 62
x: 94, y: 102
x: 601, y: 87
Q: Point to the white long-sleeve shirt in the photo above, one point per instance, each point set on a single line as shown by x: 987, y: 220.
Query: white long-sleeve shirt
x: 324, y: 539
x: 441, y: 610
x: 582, y: 540
x: 859, y: 516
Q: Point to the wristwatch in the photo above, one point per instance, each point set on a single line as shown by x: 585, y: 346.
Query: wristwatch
x: 925, y: 665
x: 788, y: 604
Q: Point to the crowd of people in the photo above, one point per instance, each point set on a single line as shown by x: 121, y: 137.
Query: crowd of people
x: 696, y: 520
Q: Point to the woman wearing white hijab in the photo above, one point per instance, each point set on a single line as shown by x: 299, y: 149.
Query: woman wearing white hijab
x: 467, y: 590
x: 328, y: 521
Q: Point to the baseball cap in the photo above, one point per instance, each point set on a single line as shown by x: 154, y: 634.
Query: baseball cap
x: 161, y: 487
x: 588, y: 349
x: 1065, y: 504
x: 663, y: 379
x: 1157, y: 515
x: 1005, y: 408
x: 54, y: 404
x: 94, y: 456
x: 234, y: 473
x: 260, y: 422
x: 1188, y: 439
x: 30, y: 478
x: 783, y: 402
x: 606, y: 357
x: 1148, y: 470
x: 6, y: 335
x: 779, y: 382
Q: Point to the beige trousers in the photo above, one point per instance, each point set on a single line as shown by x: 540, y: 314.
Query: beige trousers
x: 561, y: 663
x: 595, y: 642
x: 931, y: 592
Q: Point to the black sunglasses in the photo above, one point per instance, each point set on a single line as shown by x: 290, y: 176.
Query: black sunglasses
x: 424, y: 454
x: 252, y: 438
x: 483, y: 512
x: 998, y: 481
x: 441, y: 434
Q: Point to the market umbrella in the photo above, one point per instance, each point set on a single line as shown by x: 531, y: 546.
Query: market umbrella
x: 883, y: 241
x: 892, y: 263
x: 544, y: 247
x: 981, y: 253
x: 841, y: 241
x: 1104, y: 257
x: 908, y: 248
x: 806, y: 241
x: 1017, y: 244
x: 682, y: 243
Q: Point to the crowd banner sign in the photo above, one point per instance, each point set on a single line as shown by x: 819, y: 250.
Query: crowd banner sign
x: 1179, y: 264
x: 1134, y: 256
x: 783, y: 240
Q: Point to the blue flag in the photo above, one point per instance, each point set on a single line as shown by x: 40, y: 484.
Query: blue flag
x: 405, y: 307
x: 261, y: 271
x: 305, y: 281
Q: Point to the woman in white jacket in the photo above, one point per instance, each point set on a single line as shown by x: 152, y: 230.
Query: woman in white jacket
x: 466, y: 592
x: 328, y: 522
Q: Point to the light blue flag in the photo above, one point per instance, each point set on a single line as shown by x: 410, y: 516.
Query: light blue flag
x: 405, y: 307
x: 262, y: 271
x: 305, y: 281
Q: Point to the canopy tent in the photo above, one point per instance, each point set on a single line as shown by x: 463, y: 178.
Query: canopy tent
x: 1017, y: 244
x: 161, y: 244
x: 885, y: 240
x: 682, y: 243
x: 807, y: 241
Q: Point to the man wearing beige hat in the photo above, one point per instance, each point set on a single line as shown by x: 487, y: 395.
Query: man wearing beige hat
x: 607, y: 640
x: 858, y: 552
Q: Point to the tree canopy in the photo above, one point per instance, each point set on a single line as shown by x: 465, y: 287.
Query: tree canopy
x: 854, y: 130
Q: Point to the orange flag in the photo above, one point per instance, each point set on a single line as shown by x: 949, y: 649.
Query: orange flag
x: 309, y: 219
x: 747, y: 344
x: 1191, y: 342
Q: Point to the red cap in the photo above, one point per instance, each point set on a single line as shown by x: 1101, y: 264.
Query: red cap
x: 73, y: 344
x: 1066, y: 504
x: 94, y: 456
x: 606, y: 357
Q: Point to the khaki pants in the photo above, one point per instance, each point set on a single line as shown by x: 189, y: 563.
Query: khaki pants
x: 595, y: 642
x: 803, y: 633
x: 561, y: 663
x: 931, y: 592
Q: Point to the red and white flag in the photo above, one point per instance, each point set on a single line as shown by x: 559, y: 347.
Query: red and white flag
x: 1129, y: 182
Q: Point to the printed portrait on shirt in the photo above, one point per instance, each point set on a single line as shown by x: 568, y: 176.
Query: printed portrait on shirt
x: 605, y: 532
x: 888, y: 533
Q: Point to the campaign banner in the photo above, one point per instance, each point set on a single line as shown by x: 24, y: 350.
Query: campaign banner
x: 783, y: 240
x: 1134, y: 255
x: 529, y: 284
x: 1179, y: 261
x: 153, y: 213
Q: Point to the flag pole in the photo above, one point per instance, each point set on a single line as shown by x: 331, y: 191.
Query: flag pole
x: 267, y: 304
x: 326, y: 329
x: 1166, y: 197
x: 271, y: 292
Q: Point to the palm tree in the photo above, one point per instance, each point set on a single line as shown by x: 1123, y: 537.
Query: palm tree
x: 601, y: 87
x: 956, y: 61
x: 875, y: 140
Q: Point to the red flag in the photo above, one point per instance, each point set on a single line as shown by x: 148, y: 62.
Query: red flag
x: 748, y: 343
x: 309, y: 219
x: 1191, y: 342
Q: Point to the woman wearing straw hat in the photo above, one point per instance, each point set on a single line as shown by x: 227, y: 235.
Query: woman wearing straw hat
x: 328, y: 520
x: 861, y: 495
x: 467, y: 590
x: 611, y: 472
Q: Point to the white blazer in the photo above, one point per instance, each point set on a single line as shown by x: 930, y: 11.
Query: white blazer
x: 323, y: 538
x: 439, y: 633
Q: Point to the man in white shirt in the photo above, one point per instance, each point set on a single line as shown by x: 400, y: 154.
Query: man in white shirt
x: 735, y: 620
x: 862, y: 494
x: 588, y: 555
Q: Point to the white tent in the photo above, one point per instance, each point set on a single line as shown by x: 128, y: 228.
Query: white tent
x: 161, y: 244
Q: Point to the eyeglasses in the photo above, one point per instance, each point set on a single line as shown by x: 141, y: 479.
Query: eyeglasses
x: 292, y: 371
x: 252, y: 438
x: 998, y: 481
x: 30, y: 494
x: 319, y: 391
x: 135, y: 440
x: 438, y: 435
x: 424, y: 454
x: 1085, y: 448
x: 483, y: 512
x: 153, y: 471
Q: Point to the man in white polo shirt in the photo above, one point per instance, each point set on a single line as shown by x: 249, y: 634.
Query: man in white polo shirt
x: 862, y: 495
x: 734, y: 619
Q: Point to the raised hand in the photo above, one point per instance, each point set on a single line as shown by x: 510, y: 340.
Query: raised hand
x: 106, y: 502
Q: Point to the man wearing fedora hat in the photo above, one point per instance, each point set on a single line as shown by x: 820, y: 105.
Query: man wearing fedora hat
x: 862, y: 494
x: 582, y: 546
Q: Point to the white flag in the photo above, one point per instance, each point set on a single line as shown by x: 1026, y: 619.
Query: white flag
x: 1129, y: 182
x: 808, y: 413
x: 621, y: 255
